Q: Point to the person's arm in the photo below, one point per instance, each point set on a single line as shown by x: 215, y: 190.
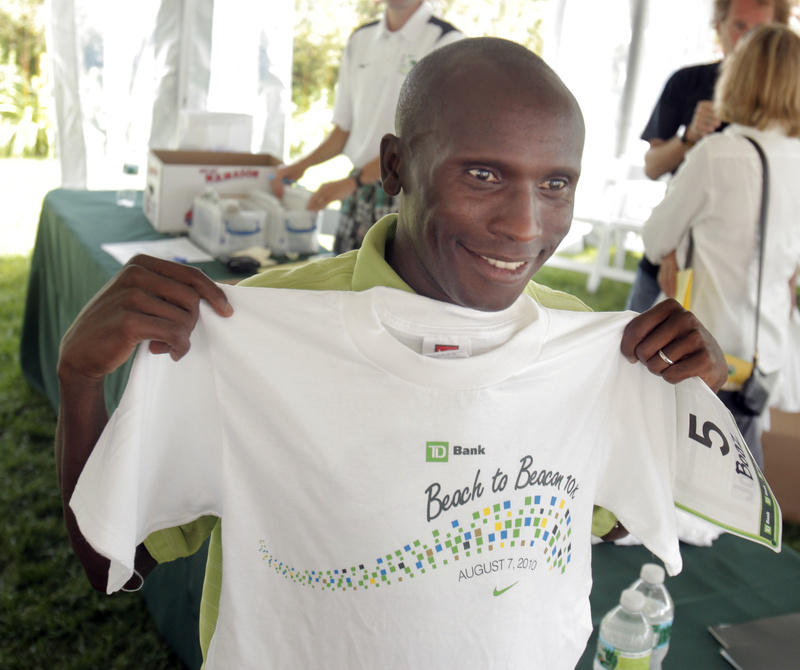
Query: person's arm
x: 149, y: 299
x: 329, y: 148
x: 665, y: 155
x: 342, y: 188
x: 687, y: 202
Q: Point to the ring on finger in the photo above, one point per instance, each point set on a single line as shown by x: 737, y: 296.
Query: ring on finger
x: 665, y: 358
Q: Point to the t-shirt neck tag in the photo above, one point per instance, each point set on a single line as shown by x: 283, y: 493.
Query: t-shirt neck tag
x: 446, y: 347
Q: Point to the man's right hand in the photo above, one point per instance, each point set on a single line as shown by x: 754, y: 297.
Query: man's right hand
x: 704, y: 121
x: 665, y: 155
x: 289, y: 173
x: 148, y: 299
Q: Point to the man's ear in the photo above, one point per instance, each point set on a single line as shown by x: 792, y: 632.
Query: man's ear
x: 390, y: 164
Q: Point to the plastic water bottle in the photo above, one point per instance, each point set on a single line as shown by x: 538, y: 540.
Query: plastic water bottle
x: 626, y: 638
x: 126, y: 196
x: 658, y: 608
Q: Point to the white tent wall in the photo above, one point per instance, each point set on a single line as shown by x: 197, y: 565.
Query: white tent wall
x: 616, y: 56
x: 122, y: 77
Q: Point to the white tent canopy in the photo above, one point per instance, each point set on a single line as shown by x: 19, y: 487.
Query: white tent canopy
x: 122, y: 80
x: 122, y: 77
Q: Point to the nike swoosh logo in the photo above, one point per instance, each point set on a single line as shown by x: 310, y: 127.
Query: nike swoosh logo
x: 502, y: 591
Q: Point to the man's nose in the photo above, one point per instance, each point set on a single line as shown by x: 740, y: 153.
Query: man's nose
x: 520, y: 218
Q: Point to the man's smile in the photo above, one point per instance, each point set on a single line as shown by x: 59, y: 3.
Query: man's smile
x: 503, y: 265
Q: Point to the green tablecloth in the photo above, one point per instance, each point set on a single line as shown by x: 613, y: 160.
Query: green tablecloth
x: 733, y: 581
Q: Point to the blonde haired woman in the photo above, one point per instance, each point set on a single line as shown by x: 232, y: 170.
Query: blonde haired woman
x: 715, y: 197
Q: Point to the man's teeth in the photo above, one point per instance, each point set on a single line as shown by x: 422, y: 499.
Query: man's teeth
x: 503, y: 265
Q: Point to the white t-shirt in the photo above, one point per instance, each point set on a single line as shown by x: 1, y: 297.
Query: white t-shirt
x: 374, y: 65
x: 383, y: 508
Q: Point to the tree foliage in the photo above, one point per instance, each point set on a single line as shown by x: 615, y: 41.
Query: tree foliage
x: 322, y: 29
x: 24, y: 129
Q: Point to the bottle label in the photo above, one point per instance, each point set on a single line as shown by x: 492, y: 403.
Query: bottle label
x: 615, y: 659
x: 663, y: 632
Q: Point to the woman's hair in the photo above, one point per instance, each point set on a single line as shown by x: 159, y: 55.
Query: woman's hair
x: 760, y: 81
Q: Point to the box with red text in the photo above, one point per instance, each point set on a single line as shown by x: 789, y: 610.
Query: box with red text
x: 176, y: 178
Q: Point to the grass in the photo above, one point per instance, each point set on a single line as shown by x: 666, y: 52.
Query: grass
x: 609, y: 297
x: 49, y: 615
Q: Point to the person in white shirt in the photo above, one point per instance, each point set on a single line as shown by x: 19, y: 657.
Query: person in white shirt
x: 714, y: 199
x: 375, y: 62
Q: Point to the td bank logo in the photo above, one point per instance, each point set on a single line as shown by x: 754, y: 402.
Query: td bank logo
x: 436, y: 452
x: 440, y: 452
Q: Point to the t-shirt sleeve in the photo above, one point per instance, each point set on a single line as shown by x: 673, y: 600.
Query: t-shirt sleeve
x: 158, y: 462
x: 343, y: 101
x: 666, y: 117
x: 636, y: 472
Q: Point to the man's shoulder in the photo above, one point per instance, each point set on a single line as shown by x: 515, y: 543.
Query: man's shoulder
x: 362, y: 35
x: 445, y: 27
x: 365, y: 28
x: 695, y: 75
x: 548, y: 297
x: 323, y: 274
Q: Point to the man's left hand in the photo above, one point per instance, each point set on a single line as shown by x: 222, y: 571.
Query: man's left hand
x: 688, y: 349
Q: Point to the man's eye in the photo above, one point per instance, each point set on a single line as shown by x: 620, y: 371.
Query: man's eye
x: 554, y: 184
x: 483, y: 174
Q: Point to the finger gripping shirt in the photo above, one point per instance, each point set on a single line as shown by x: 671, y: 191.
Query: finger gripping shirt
x: 402, y: 482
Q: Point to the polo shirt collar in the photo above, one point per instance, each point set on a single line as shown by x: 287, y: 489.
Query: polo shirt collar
x: 371, y: 268
x: 412, y: 27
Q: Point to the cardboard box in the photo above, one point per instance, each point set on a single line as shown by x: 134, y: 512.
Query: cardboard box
x: 782, y: 461
x: 176, y: 178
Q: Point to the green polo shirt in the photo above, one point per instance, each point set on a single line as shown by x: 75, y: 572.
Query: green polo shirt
x: 356, y: 270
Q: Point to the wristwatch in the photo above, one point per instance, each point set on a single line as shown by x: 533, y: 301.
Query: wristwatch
x: 685, y: 139
x: 355, y: 174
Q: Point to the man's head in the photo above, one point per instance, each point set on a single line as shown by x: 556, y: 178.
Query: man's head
x: 734, y: 18
x: 487, y: 156
x: 760, y: 81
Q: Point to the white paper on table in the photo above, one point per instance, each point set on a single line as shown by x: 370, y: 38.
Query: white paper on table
x: 180, y: 249
x: 716, y: 477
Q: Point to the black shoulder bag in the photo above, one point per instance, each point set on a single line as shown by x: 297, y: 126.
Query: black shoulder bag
x: 752, y: 397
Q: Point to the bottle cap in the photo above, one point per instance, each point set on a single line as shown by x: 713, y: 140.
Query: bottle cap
x: 652, y: 573
x: 631, y: 600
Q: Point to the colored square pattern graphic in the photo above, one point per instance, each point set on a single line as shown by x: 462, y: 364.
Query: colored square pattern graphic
x: 542, y: 525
